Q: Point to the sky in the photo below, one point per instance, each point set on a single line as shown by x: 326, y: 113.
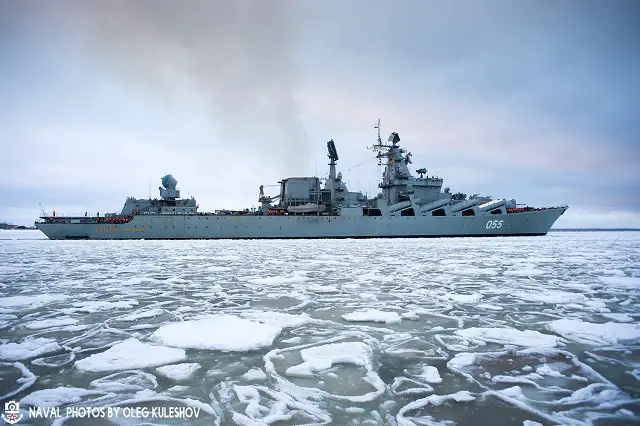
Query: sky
x: 532, y: 100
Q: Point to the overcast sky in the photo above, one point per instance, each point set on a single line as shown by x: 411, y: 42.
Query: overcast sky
x: 533, y: 100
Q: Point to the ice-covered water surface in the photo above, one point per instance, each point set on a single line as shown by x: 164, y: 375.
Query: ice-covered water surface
x: 443, y: 331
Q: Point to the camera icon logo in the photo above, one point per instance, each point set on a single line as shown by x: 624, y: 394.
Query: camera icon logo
x: 11, y: 413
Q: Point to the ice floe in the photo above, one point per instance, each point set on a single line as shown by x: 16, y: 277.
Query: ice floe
x: 55, y: 397
x: 490, y: 307
x: 524, y: 272
x: 373, y: 315
x: 279, y: 279
x: 549, y: 296
x: 126, y: 382
x: 55, y: 360
x: 430, y: 374
x: 179, y: 372
x: 589, y: 305
x: 510, y: 336
x: 254, y: 374
x: 30, y: 301
x: 460, y: 396
x: 463, y: 298
x: 609, y: 333
x: 130, y: 354
x: 29, y: 348
x: 318, y: 358
x: 622, y: 282
x: 407, y: 386
x: 142, y: 315
x: 8, y: 317
x: 48, y: 323
x: 264, y: 406
x: 619, y: 317
x: 103, y: 305
x: 220, y: 332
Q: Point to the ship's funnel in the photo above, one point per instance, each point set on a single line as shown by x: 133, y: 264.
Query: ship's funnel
x: 169, y: 182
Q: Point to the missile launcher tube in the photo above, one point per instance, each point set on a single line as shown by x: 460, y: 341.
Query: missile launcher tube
x: 464, y: 205
x: 491, y: 205
x: 434, y: 205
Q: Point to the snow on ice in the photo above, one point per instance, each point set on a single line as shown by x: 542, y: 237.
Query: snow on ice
x: 220, y: 332
x: 318, y: 358
x: 179, y: 372
x: 130, y: 354
x: 373, y: 315
x: 609, y: 333
x: 509, y: 336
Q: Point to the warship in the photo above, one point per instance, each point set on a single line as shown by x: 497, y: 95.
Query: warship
x: 407, y: 206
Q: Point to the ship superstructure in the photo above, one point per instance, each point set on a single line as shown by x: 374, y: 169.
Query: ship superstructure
x: 407, y: 206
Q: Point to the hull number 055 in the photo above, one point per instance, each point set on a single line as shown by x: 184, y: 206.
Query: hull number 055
x: 494, y: 224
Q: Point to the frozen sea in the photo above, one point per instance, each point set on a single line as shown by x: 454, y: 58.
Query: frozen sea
x: 466, y: 331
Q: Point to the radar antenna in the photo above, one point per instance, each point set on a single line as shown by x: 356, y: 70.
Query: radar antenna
x: 379, y: 146
x: 42, y: 209
x: 377, y: 126
x: 333, y: 154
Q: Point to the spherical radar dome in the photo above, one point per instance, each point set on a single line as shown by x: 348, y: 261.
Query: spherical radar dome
x: 169, y: 182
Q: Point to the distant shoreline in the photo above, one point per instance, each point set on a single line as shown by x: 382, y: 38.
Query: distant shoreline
x: 19, y: 228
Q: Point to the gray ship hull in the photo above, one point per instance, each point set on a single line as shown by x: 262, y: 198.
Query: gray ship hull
x: 198, y: 226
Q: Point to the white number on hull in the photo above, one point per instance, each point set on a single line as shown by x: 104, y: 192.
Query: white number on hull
x: 494, y: 224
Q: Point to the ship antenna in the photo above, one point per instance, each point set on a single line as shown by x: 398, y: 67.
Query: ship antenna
x: 378, y: 145
x: 42, y: 209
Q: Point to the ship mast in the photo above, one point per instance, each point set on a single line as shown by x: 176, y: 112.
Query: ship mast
x: 379, y: 146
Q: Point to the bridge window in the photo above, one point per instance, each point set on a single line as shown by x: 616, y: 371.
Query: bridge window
x: 371, y: 212
x: 407, y: 212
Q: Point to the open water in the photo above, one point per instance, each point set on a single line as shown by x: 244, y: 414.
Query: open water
x: 469, y: 331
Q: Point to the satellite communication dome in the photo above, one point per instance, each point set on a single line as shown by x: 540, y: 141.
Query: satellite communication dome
x: 169, y: 182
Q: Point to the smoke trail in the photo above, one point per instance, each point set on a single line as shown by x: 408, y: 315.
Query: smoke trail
x: 238, y: 54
